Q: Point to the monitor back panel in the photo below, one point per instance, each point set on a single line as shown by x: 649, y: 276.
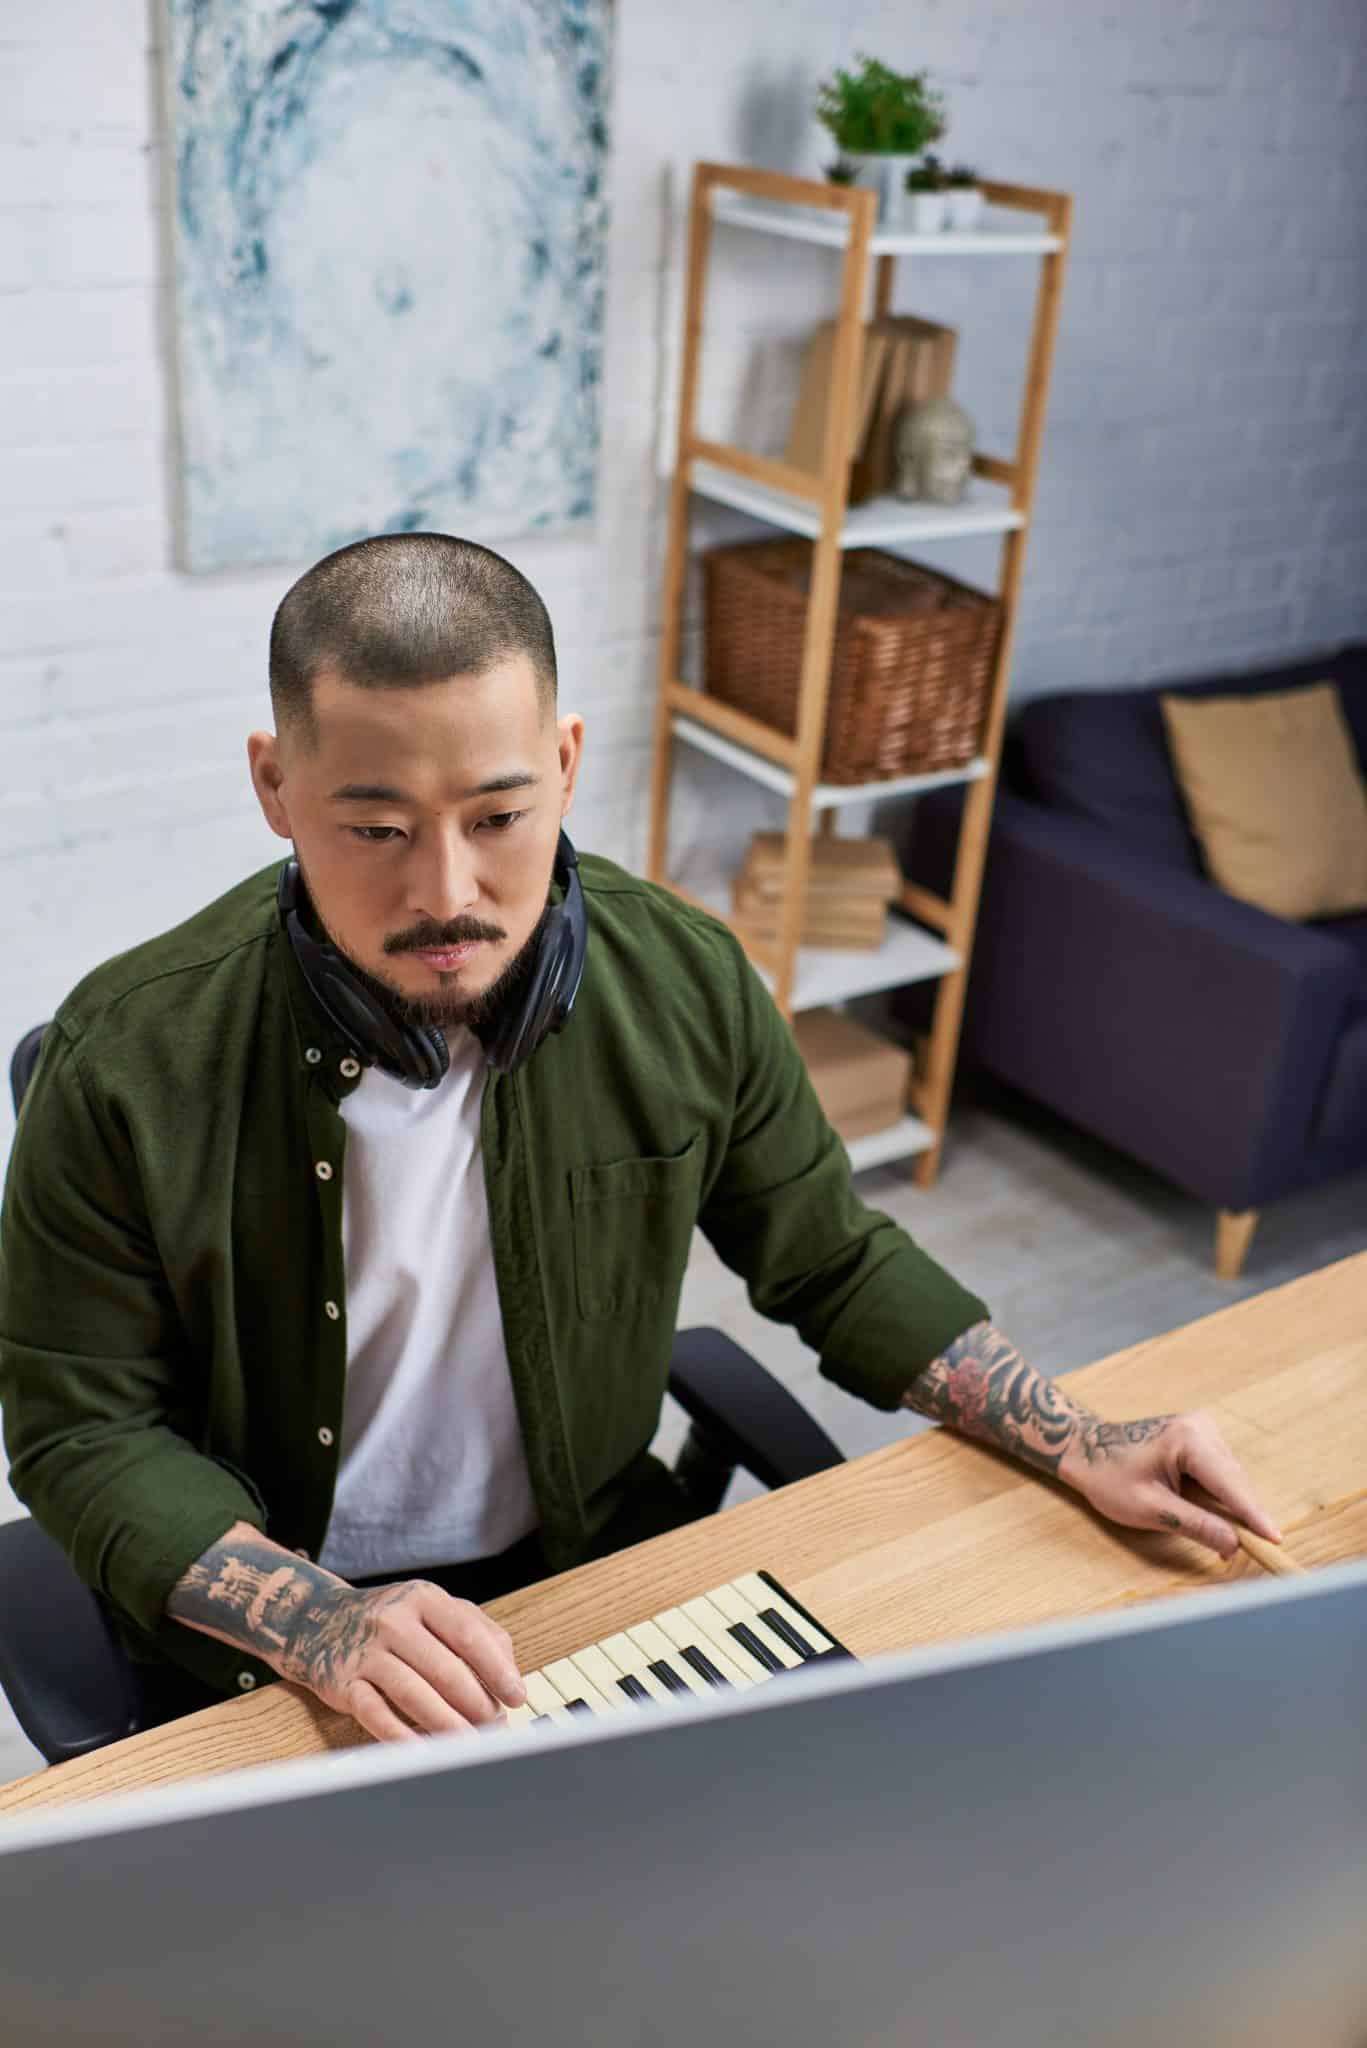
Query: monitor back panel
x: 1151, y: 1834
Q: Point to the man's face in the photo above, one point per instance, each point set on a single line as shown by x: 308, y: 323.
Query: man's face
x: 456, y: 857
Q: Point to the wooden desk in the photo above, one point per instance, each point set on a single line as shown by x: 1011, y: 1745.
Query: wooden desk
x: 931, y: 1538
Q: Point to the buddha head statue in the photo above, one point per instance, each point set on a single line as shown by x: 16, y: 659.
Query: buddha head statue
x: 933, y: 451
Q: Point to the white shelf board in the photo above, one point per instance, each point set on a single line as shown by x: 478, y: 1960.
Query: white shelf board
x: 898, y: 1141
x: 826, y: 796
x: 829, y: 230
x: 882, y: 521
x: 833, y: 974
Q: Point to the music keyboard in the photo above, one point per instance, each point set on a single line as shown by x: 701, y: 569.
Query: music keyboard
x: 740, y: 1634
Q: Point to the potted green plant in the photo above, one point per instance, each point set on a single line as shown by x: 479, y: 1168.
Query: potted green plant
x: 963, y: 199
x: 927, y: 197
x: 882, y: 120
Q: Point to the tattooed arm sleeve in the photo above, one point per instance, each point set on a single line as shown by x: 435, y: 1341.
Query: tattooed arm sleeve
x: 983, y: 1387
x: 262, y: 1598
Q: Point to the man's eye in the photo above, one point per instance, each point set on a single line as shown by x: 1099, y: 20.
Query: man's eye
x: 363, y: 832
x: 501, y: 820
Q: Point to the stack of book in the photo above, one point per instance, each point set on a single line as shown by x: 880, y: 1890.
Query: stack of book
x: 904, y: 360
x: 861, y: 1080
x: 850, y: 883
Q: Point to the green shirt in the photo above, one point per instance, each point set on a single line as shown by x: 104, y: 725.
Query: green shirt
x: 173, y: 1334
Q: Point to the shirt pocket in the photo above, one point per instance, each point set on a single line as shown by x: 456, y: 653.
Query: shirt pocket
x: 633, y: 1225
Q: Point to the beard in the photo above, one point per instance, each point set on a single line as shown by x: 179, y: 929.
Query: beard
x: 446, y: 1009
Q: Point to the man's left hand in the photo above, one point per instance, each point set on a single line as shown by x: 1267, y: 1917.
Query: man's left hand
x: 1132, y: 1472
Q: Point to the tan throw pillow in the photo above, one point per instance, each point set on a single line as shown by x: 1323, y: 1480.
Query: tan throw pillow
x: 1275, y: 796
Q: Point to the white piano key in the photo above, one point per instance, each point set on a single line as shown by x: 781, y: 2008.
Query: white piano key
x: 632, y: 1662
x: 571, y: 1684
x: 648, y: 1636
x: 732, y: 1659
x: 543, y: 1698
x: 752, y: 1587
x: 602, y: 1675
x: 519, y: 1717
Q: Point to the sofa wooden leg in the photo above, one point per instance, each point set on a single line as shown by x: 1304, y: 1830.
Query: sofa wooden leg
x: 1233, y: 1235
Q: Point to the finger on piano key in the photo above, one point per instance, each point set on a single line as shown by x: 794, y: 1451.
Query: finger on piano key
x: 520, y: 1717
x: 697, y: 1650
x: 743, y: 1618
x: 602, y: 1675
x: 632, y: 1662
x: 577, y: 1691
x: 767, y: 1601
x: 543, y: 1698
x: 664, y: 1656
x: 734, y: 1660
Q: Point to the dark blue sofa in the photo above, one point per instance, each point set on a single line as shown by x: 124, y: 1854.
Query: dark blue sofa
x: 1222, y: 1046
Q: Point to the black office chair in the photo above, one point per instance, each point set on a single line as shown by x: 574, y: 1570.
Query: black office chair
x: 64, y: 1671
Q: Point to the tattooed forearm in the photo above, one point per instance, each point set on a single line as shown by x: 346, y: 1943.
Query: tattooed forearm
x: 255, y: 1594
x: 983, y: 1387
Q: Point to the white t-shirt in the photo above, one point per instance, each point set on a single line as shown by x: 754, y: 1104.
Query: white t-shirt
x: 432, y: 1465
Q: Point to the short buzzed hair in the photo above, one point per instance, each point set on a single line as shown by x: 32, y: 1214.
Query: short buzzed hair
x: 399, y: 610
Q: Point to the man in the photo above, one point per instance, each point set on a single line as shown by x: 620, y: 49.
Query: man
x: 309, y: 1344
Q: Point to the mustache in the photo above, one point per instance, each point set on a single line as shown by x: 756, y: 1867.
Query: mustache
x: 465, y: 932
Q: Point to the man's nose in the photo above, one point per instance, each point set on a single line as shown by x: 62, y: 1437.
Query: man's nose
x: 443, y: 883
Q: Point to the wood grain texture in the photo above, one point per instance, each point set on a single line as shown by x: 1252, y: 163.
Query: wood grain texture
x: 926, y: 1540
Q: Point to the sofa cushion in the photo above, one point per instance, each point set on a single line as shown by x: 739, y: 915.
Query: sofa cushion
x: 1103, y: 754
x: 1276, y: 797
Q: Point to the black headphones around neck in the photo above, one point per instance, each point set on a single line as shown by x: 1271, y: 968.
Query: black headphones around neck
x: 417, y: 1054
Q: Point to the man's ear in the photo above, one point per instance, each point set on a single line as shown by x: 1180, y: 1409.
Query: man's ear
x: 263, y: 761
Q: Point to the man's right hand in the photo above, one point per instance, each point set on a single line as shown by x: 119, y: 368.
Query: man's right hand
x: 402, y: 1660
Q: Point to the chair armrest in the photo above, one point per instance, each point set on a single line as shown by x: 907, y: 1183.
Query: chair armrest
x: 744, y: 1412
x: 1177, y: 1022
x: 66, y: 1678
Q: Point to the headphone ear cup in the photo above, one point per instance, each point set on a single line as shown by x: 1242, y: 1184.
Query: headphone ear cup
x: 415, y: 1055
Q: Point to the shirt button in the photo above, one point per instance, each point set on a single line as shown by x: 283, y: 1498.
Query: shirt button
x: 323, y: 1170
x: 351, y: 1068
x: 325, y: 1435
x: 332, y: 1310
x: 246, y: 1681
x: 313, y: 1056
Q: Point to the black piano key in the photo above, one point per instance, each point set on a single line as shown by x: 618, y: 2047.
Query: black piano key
x: 633, y: 1688
x: 697, y: 1660
x: 746, y: 1635
x: 784, y: 1629
x: 578, y: 1707
x: 820, y: 1631
x: 669, y: 1677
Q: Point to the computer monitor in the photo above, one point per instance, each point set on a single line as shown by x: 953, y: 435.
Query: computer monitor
x: 1147, y: 1827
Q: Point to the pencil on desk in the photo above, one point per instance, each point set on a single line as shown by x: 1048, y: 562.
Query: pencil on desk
x: 1270, y: 1556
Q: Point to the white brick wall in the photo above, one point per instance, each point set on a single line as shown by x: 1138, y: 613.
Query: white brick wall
x: 1202, y: 498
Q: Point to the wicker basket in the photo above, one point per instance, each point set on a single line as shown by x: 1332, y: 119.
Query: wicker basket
x: 910, y: 668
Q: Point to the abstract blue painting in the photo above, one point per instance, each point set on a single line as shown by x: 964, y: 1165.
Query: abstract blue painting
x: 389, y: 233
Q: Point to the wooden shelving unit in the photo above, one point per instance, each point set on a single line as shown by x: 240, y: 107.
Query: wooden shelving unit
x: 932, y: 938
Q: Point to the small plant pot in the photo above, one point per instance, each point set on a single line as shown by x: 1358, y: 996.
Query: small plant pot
x: 886, y: 175
x: 963, y: 208
x: 924, y: 212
